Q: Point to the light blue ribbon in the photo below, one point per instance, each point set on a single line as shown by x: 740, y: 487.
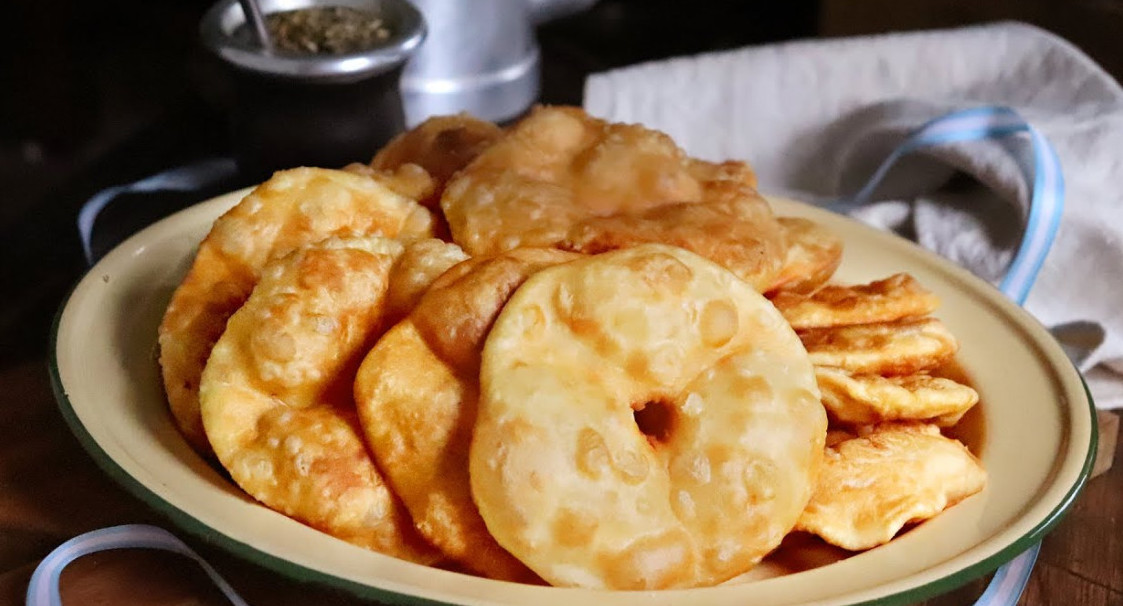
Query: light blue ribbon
x: 43, y: 588
x: 1010, y: 580
x: 1046, y: 204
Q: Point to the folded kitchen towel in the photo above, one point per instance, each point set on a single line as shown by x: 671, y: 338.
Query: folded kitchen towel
x: 816, y: 118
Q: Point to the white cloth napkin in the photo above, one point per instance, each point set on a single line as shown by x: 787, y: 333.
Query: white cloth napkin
x: 815, y: 119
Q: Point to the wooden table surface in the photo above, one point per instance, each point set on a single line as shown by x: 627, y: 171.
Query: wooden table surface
x: 51, y: 490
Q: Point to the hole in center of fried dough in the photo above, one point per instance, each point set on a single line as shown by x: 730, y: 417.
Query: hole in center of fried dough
x: 656, y: 419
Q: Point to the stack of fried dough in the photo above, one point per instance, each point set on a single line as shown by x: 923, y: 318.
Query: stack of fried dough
x: 878, y: 354
x: 560, y: 352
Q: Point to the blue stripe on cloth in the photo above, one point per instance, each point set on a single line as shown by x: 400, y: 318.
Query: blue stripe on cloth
x: 1045, y: 210
x: 1047, y: 191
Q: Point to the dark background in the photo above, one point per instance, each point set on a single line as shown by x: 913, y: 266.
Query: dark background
x: 100, y: 93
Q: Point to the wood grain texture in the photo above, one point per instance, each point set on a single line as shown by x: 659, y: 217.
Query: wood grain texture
x: 1054, y: 585
x: 1089, y: 541
x: 1108, y: 423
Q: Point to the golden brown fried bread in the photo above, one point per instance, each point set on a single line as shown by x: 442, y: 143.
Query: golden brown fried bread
x: 442, y: 145
x: 557, y: 172
x: 898, y: 296
x: 293, y: 208
x: 867, y: 399
x: 812, y: 255
x: 904, y: 347
x: 694, y: 488
x: 409, y: 180
x: 871, y: 486
x: 420, y: 264
x: 725, y: 230
x: 416, y: 394
x: 836, y: 435
x: 276, y: 396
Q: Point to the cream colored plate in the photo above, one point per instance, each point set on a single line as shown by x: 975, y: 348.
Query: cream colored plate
x: 1037, y: 447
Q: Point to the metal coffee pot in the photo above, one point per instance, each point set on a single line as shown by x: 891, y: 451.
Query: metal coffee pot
x: 480, y: 56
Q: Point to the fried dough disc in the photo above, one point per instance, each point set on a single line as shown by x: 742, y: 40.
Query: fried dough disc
x: 871, y: 486
x: 416, y: 393
x: 904, y: 347
x: 732, y: 428
x: 294, y: 208
x: 813, y: 254
x: 725, y: 230
x: 442, y: 145
x: 276, y: 394
x: 558, y: 170
x: 864, y: 399
x: 898, y: 296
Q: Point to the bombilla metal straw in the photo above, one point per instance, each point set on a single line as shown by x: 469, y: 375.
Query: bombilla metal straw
x: 256, y: 20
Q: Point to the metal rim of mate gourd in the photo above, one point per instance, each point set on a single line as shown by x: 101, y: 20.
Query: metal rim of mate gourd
x: 218, y: 30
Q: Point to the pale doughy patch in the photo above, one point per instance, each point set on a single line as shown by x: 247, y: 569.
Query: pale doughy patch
x: 416, y: 394
x: 276, y: 399
x: 292, y: 209
x: 873, y: 485
x: 732, y: 428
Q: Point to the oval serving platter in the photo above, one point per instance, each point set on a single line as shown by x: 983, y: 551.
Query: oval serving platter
x: 1037, y: 447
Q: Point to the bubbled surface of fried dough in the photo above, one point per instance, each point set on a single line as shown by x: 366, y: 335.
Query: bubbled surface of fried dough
x: 420, y: 264
x: 869, y: 399
x: 812, y: 255
x: 442, y: 145
x: 904, y: 347
x: 872, y: 486
x: 294, y: 208
x: 416, y: 394
x: 733, y: 432
x: 409, y: 180
x: 276, y: 397
x: 553, y: 175
x: 896, y: 297
x: 726, y: 230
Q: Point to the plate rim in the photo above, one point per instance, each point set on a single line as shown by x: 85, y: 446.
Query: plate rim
x: 214, y: 536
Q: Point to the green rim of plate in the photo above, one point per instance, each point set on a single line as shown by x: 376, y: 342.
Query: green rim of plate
x: 187, y: 522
